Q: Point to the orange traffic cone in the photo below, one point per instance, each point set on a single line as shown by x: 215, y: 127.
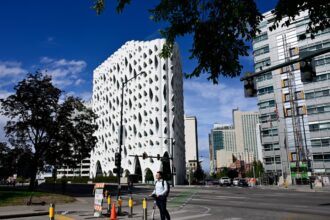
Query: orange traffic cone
x: 113, y: 215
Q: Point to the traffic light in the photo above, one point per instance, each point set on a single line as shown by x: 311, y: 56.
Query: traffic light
x: 307, y: 70
x: 250, y: 86
x: 144, y: 155
x: 158, y: 156
x: 117, y: 159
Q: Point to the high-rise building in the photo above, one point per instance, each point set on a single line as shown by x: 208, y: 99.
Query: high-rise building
x: 245, y: 127
x: 222, y: 138
x: 152, y: 111
x: 239, y: 140
x: 295, y: 125
x: 191, y: 142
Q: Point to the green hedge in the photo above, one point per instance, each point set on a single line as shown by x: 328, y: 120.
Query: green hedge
x: 100, y: 179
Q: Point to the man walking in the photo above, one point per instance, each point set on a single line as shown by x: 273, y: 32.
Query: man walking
x: 160, y: 194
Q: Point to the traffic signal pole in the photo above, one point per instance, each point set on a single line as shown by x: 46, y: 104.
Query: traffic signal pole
x: 302, y: 58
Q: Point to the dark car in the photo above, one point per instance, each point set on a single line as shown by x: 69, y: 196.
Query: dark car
x: 242, y: 183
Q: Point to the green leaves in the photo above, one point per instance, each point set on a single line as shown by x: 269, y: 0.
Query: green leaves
x: 222, y: 30
x: 318, y: 12
x: 54, y: 133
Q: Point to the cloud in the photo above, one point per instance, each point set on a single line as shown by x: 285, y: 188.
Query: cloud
x: 11, y: 69
x: 64, y: 72
x: 3, y: 119
x: 85, y: 96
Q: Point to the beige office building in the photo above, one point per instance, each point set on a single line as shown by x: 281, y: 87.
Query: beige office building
x: 191, y: 142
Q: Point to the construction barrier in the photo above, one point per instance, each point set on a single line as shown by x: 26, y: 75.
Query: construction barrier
x: 113, y: 215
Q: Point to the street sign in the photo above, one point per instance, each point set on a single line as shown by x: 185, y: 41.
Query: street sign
x: 98, y: 199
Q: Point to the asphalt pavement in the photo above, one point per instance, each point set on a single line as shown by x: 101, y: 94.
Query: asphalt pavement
x: 214, y: 202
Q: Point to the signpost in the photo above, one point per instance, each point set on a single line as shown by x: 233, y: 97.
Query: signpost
x: 98, y: 199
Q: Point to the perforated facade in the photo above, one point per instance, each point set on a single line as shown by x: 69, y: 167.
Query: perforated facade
x: 152, y: 110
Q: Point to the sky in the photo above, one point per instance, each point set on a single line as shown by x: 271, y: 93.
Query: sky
x: 68, y: 40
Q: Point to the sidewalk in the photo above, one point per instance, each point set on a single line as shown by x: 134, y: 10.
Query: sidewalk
x: 83, y: 207
x: 298, y: 188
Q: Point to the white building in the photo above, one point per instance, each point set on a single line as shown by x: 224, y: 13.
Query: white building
x: 152, y: 110
x: 191, y: 142
x: 294, y: 115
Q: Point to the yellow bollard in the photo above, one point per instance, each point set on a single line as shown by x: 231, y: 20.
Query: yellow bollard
x: 52, y: 212
x: 120, y: 202
x: 144, y: 206
x: 130, y: 205
x: 109, y: 204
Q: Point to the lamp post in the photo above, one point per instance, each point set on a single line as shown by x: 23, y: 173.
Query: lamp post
x: 121, y: 130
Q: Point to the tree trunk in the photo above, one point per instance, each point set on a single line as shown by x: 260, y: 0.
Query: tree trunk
x: 33, y: 174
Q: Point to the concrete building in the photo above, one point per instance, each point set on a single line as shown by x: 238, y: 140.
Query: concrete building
x: 294, y: 122
x: 152, y: 111
x: 239, y: 140
x: 222, y: 138
x: 191, y: 143
x: 245, y: 127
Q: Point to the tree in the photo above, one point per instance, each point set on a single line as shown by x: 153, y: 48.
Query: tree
x: 222, y: 30
x: 199, y: 173
x: 40, y: 124
x: 74, y: 137
x: 149, y: 177
x: 258, y: 169
x: 232, y: 173
x: 6, y: 168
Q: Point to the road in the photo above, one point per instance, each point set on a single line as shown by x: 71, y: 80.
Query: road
x: 223, y: 203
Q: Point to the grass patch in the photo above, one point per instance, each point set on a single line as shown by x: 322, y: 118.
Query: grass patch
x: 10, y: 196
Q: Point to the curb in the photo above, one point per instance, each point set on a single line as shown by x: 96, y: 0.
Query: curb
x: 29, y: 214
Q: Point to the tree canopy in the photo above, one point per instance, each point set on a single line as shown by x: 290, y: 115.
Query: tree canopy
x: 222, y: 30
x: 47, y: 130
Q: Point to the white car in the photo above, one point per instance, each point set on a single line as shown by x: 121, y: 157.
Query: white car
x: 225, y: 181
x: 235, y: 181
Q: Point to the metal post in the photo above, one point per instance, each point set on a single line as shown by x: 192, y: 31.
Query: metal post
x: 130, y: 205
x: 121, y: 129
x: 172, y: 157
x: 120, y: 202
x: 109, y: 204
x: 52, y: 211
x: 145, y: 211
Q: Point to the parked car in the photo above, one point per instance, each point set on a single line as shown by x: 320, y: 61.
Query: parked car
x: 235, y: 181
x: 225, y: 181
x: 242, y: 183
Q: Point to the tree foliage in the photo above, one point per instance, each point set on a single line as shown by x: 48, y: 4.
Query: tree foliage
x: 319, y: 13
x: 199, y: 173
x: 222, y: 30
x: 149, y: 177
x: 46, y: 130
x: 258, y: 169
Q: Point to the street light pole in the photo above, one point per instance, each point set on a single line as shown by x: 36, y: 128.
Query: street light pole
x: 121, y: 129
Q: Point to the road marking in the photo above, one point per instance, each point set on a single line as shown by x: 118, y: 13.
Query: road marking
x: 232, y: 218
x: 231, y: 197
x: 192, y: 216
x: 62, y: 217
